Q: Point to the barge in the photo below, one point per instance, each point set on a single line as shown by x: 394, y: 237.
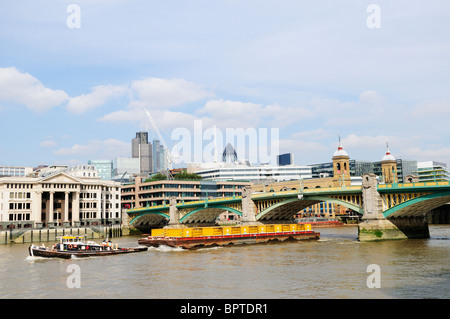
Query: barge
x: 71, y: 245
x: 320, y: 222
x: 189, y: 238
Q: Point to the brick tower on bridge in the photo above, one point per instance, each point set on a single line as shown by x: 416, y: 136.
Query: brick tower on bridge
x: 389, y: 167
x: 341, y: 167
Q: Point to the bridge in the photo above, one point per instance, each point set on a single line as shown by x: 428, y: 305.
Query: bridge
x: 389, y: 211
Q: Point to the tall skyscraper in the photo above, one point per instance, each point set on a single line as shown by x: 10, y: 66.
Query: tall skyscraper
x: 159, y: 156
x: 142, y: 149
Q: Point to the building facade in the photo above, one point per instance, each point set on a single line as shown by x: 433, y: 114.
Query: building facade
x: 159, y: 156
x: 255, y: 173
x: 432, y: 171
x: 124, y: 168
x: 142, y: 149
x: 285, y: 159
x: 15, y: 170
x: 56, y: 200
x: 104, y: 168
x: 142, y: 194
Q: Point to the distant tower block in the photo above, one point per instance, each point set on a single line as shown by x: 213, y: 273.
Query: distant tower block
x: 229, y: 154
x: 389, y: 167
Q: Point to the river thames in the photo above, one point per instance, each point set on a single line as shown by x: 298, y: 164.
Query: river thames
x: 334, y: 267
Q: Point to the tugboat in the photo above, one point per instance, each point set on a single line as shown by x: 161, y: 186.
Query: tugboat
x: 77, y: 246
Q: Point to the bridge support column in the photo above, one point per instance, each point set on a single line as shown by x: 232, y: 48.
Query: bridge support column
x: 174, y: 216
x: 248, y: 208
x: 375, y: 226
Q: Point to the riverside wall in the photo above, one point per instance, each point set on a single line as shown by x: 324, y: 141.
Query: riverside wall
x: 51, y: 234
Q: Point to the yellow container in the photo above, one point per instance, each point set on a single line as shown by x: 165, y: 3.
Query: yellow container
x: 253, y: 229
x: 307, y: 226
x: 244, y: 229
x: 158, y: 232
x: 293, y: 227
x: 197, y: 232
x: 218, y: 231
x: 187, y: 232
x: 300, y: 227
x: 236, y: 230
x: 262, y: 229
x: 208, y: 231
x: 270, y: 228
x: 277, y: 228
x: 226, y: 230
x: 285, y: 227
x: 173, y: 232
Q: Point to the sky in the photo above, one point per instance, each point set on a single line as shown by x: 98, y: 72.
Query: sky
x: 78, y: 79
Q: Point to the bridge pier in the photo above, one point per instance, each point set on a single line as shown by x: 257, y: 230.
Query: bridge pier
x: 375, y: 226
x: 174, y: 215
x: 248, y: 208
x: 395, y: 228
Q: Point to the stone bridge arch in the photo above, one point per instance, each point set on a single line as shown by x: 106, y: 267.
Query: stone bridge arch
x: 418, y: 206
x: 149, y: 219
x: 207, y: 214
x: 285, y: 209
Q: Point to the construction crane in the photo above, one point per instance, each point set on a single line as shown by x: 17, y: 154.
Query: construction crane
x: 169, y: 156
x: 120, y: 180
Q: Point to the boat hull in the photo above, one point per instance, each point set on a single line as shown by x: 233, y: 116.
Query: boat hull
x: 50, y: 253
x: 209, y: 241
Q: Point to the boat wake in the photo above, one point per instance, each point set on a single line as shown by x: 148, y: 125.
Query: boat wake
x: 210, y: 248
x: 165, y: 248
x: 34, y: 258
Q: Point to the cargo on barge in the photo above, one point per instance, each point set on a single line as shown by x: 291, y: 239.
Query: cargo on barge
x: 189, y: 238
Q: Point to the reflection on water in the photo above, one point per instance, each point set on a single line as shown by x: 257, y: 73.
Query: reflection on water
x: 333, y: 267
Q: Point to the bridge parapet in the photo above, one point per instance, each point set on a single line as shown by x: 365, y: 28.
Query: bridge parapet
x: 417, y: 186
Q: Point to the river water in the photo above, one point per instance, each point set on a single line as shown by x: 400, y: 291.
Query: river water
x: 336, y: 266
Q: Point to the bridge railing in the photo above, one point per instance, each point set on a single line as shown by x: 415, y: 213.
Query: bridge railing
x: 412, y: 185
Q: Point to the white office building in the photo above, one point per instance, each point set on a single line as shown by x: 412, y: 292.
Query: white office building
x: 232, y: 171
x: 432, y: 171
x: 125, y: 168
x: 15, y: 170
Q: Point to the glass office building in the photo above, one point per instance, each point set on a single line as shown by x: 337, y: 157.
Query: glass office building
x: 104, y: 168
x: 432, y: 171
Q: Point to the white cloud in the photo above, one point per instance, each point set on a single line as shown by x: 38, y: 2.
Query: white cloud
x: 163, y: 93
x: 110, y: 148
x: 371, y: 97
x: 98, y: 96
x: 432, y: 109
x: 233, y: 114
x: 23, y: 88
x: 48, y: 143
x: 362, y: 142
x: 438, y: 154
x: 165, y: 120
x: 316, y: 134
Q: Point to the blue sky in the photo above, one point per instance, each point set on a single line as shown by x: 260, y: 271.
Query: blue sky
x: 312, y: 69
